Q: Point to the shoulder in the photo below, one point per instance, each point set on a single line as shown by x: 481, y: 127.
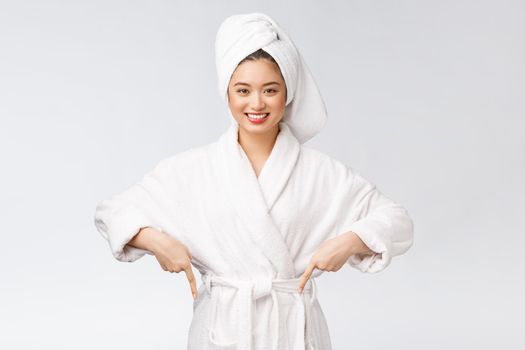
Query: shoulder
x: 189, y: 155
x: 322, y: 161
x: 326, y: 168
x: 185, y: 159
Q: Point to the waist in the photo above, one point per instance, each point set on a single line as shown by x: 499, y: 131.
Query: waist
x: 259, y: 286
x: 247, y: 292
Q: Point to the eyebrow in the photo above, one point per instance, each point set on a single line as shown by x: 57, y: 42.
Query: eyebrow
x: 270, y: 83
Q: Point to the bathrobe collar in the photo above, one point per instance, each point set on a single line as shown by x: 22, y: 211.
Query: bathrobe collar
x: 253, y: 198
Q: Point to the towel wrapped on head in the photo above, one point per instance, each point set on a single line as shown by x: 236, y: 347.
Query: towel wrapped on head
x: 240, y: 35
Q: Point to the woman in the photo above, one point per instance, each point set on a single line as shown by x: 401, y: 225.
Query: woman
x: 256, y: 212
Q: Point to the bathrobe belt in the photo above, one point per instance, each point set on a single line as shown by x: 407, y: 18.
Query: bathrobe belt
x: 248, y: 291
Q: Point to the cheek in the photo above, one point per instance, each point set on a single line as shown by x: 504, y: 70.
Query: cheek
x: 234, y: 103
x: 283, y: 101
x: 236, y: 107
x: 279, y: 103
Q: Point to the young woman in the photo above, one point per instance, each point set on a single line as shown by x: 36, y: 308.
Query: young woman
x: 256, y: 212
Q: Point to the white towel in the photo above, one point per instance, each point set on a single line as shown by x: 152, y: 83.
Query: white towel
x: 240, y: 35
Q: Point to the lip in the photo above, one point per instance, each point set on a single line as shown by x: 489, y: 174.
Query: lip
x: 257, y: 113
x: 260, y: 121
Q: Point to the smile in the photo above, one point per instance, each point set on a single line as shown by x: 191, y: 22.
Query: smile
x: 256, y: 116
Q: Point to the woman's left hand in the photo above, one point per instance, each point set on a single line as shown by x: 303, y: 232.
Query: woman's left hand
x: 332, y: 254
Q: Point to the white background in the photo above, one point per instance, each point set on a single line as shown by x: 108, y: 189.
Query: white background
x: 425, y: 99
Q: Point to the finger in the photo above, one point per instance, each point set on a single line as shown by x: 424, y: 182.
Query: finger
x: 306, y: 276
x: 191, y: 279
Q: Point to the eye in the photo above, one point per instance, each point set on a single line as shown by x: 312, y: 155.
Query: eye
x: 272, y: 90
x: 241, y: 90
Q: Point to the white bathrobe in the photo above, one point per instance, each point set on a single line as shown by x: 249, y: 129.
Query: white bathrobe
x: 252, y: 237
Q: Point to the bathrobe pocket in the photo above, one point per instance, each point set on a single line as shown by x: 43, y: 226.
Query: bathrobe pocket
x: 223, y: 318
x: 209, y: 329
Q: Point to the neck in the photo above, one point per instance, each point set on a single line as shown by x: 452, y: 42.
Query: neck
x: 258, y: 145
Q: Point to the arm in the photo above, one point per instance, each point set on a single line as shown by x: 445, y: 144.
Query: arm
x: 380, y: 223
x: 146, y: 239
x: 355, y: 244
x: 377, y: 230
x: 120, y: 217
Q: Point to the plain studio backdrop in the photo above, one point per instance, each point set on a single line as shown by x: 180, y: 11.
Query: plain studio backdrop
x: 425, y: 99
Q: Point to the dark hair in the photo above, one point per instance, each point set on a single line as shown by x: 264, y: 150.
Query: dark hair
x: 259, y: 54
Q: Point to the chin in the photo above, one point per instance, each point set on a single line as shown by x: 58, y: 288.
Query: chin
x: 258, y: 129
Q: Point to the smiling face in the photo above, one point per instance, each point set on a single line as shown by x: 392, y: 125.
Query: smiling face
x: 256, y: 89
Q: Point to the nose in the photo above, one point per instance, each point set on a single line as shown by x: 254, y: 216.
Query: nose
x: 257, y: 102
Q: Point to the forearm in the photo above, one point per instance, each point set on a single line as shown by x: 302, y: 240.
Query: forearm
x: 356, y: 245
x: 147, y: 238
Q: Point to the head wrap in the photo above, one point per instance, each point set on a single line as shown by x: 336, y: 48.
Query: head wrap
x: 240, y: 35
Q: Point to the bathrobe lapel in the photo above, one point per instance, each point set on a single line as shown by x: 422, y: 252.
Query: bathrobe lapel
x: 253, y: 198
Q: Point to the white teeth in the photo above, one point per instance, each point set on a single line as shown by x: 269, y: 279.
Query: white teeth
x: 257, y: 116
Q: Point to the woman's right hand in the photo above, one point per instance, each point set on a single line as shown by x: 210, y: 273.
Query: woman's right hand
x: 172, y: 255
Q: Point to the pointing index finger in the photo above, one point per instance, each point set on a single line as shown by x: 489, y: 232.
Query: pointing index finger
x: 191, y: 279
x: 306, y: 276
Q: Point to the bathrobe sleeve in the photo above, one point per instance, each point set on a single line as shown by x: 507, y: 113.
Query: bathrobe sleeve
x: 120, y: 217
x: 383, y: 225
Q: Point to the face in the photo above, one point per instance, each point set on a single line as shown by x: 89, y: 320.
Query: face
x: 257, y: 87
